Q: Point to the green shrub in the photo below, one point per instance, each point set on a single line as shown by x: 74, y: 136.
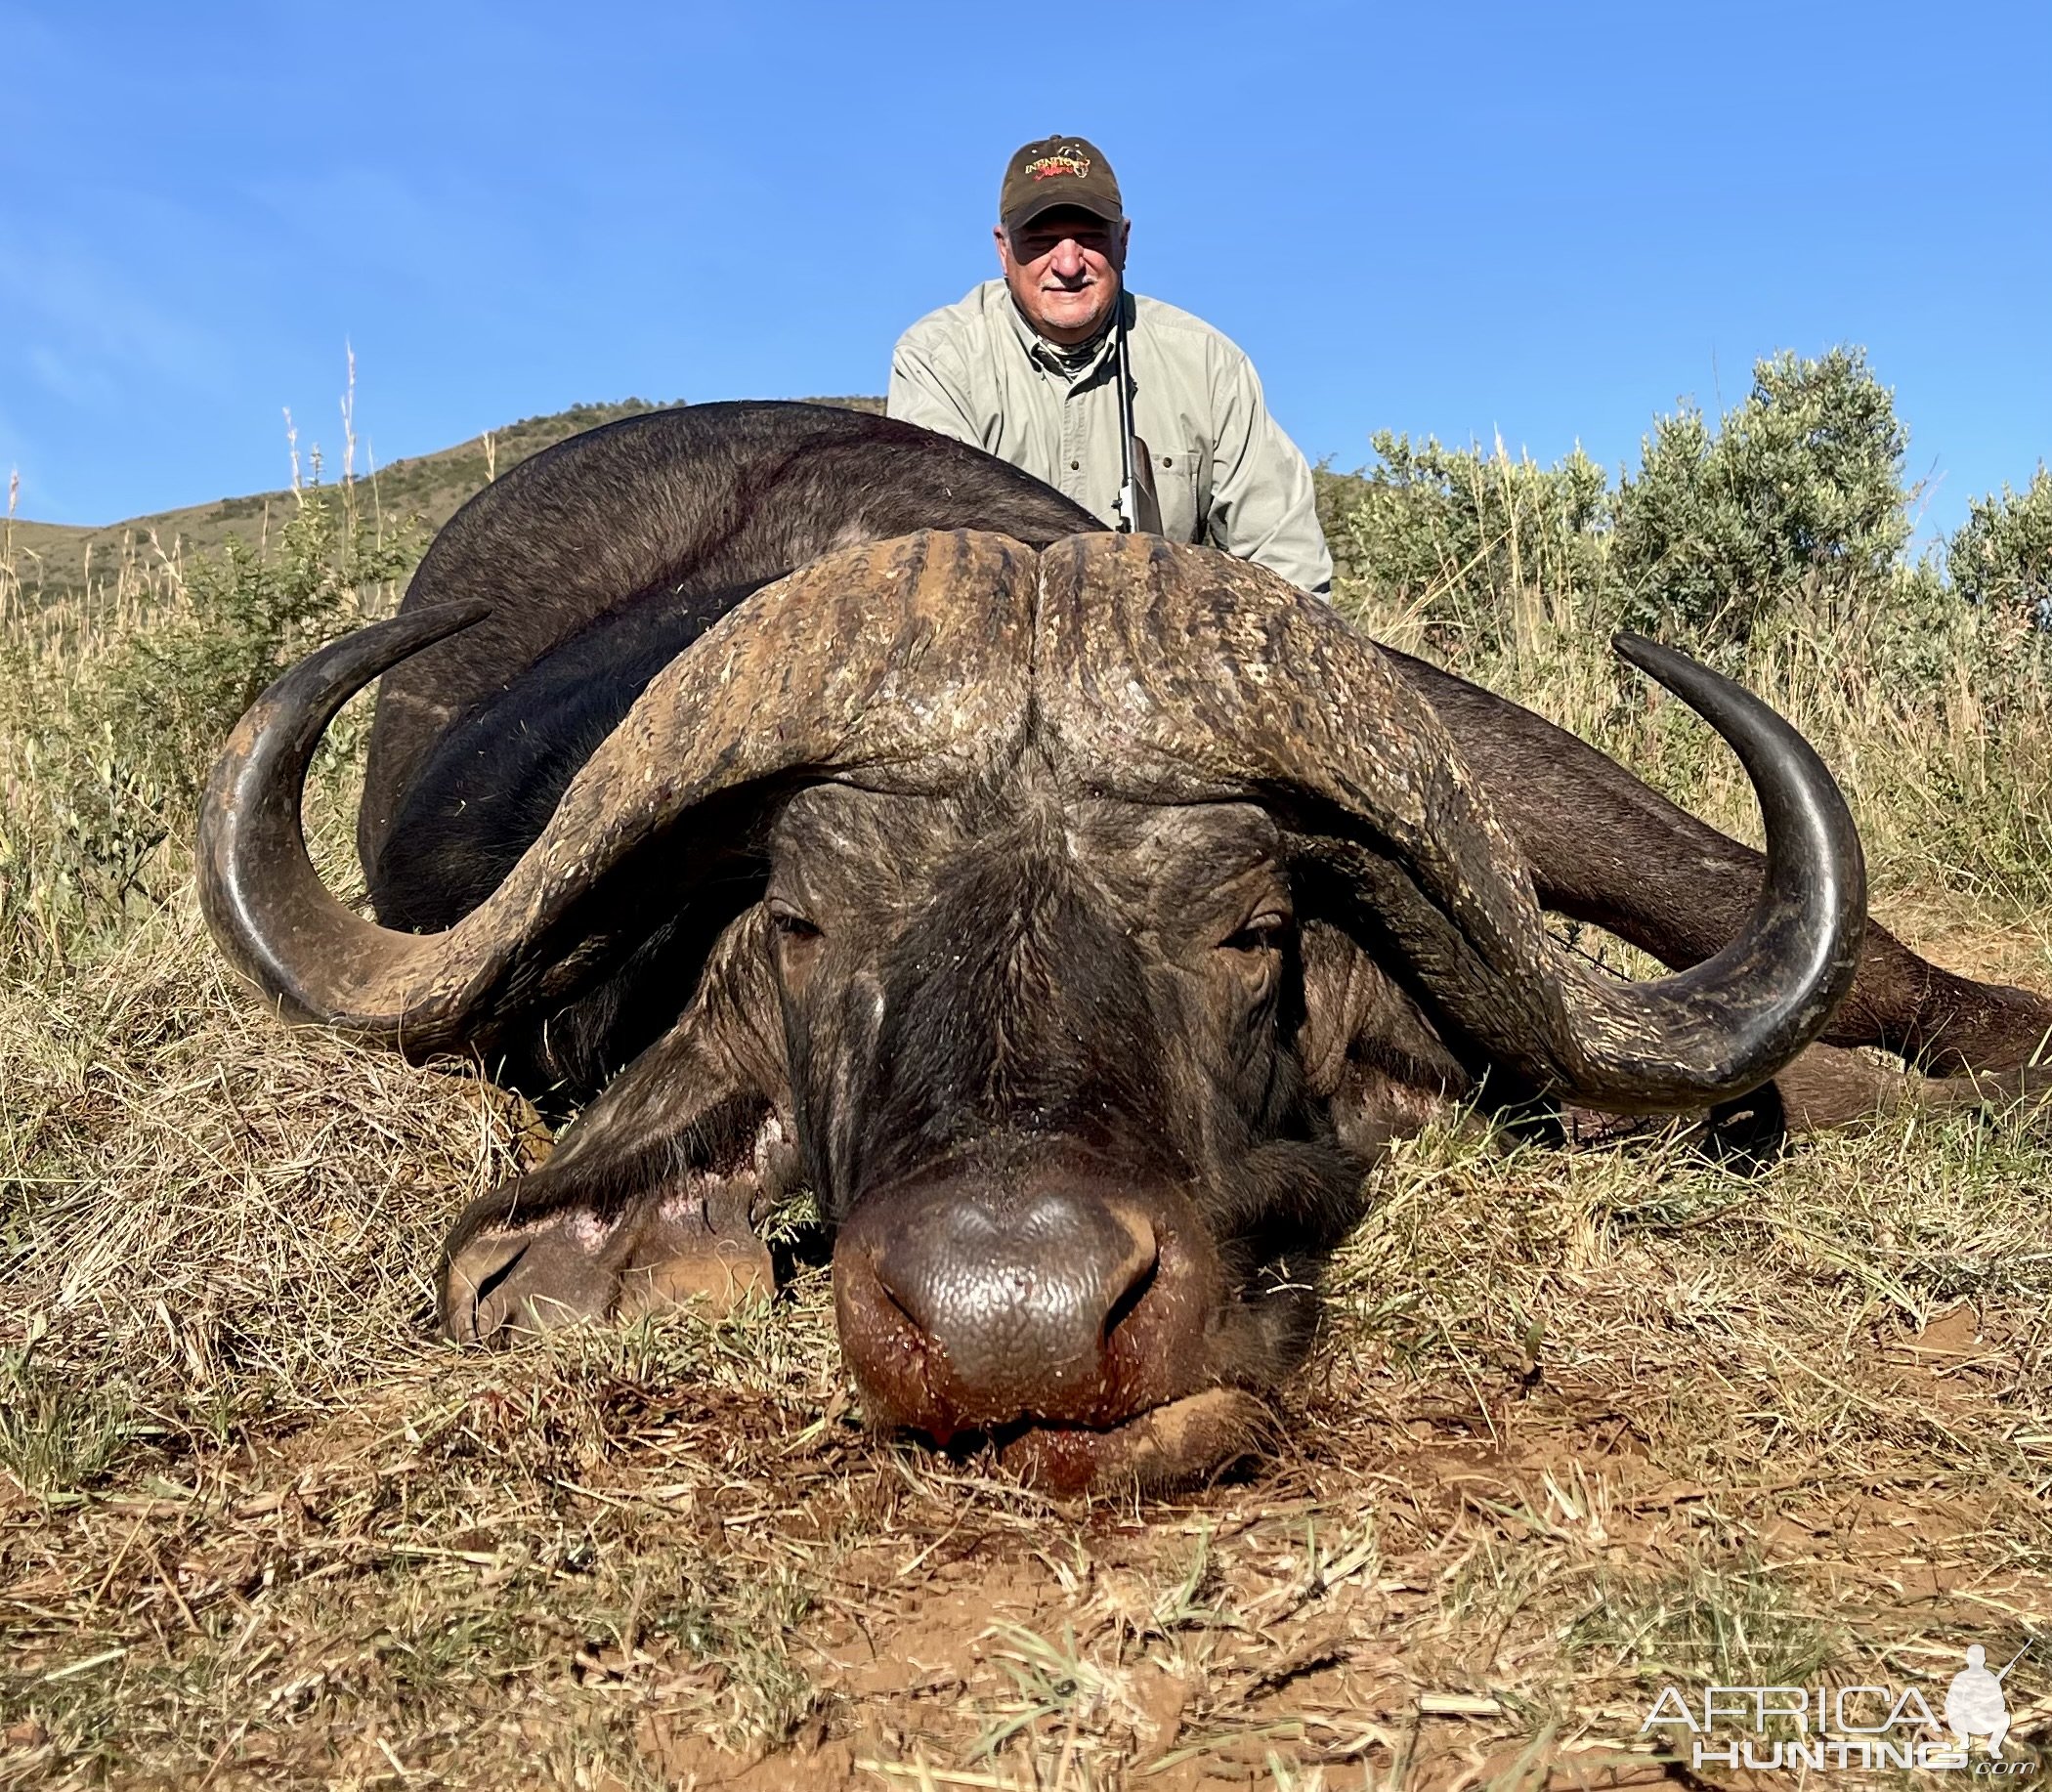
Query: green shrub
x: 1772, y: 544
x: 2002, y: 557
x: 1795, y: 496
x: 1800, y: 491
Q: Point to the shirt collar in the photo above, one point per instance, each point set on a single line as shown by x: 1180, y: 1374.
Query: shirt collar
x: 1072, y: 365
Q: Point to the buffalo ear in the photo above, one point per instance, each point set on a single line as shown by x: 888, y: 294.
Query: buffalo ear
x: 574, y: 1262
x: 1367, y: 1047
x: 1327, y: 958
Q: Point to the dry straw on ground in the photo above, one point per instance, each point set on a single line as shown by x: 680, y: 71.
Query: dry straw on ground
x: 1582, y: 1425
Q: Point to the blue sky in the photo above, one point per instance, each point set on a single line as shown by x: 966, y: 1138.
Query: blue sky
x: 1543, y: 223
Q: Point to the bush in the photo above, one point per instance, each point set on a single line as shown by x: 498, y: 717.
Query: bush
x: 1456, y: 537
x: 1796, y: 496
x: 1800, y: 491
x: 1770, y: 542
x: 2002, y: 557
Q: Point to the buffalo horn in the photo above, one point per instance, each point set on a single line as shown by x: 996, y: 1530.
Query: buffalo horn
x: 870, y: 660
x: 1176, y: 675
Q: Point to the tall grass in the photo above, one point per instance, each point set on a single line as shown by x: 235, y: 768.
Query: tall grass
x: 114, y: 701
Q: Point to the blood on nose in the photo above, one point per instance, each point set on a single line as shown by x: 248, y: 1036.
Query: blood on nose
x: 1020, y: 1294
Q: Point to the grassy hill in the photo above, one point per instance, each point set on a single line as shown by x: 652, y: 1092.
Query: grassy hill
x: 59, y: 559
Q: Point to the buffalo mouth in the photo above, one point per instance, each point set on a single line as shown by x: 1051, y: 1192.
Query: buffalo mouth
x: 1180, y: 1444
x: 1070, y: 1323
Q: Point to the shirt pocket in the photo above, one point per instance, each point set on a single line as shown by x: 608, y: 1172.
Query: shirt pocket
x: 1181, y: 481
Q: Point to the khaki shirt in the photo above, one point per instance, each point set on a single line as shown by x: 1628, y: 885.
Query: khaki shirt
x: 1223, y: 472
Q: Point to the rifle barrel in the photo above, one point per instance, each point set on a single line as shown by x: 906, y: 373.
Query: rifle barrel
x: 1129, y: 477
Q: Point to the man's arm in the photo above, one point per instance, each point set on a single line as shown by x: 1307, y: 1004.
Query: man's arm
x: 927, y: 388
x: 1263, y: 506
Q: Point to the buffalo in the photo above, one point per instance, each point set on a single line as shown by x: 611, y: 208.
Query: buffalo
x: 804, y: 799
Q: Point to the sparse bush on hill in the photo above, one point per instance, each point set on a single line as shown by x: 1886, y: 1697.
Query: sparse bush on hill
x: 180, y: 684
x: 109, y: 724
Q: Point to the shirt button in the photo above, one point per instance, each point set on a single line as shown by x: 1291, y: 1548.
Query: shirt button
x: 1075, y: 466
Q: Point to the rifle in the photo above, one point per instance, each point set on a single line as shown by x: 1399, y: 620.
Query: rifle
x: 1139, y: 511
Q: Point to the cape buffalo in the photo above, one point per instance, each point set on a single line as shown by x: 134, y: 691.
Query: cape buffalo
x: 818, y: 800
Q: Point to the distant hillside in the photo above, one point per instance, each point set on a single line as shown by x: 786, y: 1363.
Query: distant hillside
x: 53, y: 558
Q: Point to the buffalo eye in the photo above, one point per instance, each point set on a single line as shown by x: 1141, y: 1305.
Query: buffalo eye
x: 790, y: 923
x: 1263, y: 933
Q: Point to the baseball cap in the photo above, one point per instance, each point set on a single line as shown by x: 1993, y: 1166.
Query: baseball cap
x: 1058, y: 171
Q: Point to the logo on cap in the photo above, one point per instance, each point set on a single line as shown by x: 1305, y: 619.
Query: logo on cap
x: 1046, y: 167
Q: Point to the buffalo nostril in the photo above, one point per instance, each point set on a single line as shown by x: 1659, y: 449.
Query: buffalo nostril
x: 1019, y: 1296
x: 1135, y: 1290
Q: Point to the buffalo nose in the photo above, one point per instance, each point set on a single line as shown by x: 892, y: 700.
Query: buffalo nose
x: 1020, y: 1293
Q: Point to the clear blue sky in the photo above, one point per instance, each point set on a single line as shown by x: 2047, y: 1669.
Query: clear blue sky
x: 1546, y: 222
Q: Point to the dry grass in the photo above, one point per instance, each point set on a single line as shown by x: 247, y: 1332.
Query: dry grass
x: 1581, y: 1424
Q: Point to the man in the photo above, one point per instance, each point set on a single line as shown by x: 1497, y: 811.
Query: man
x: 1026, y: 368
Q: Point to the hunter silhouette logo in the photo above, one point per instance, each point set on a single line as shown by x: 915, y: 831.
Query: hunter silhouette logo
x: 1974, y: 1705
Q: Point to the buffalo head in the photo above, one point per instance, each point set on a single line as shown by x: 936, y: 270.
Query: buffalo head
x: 1078, y: 923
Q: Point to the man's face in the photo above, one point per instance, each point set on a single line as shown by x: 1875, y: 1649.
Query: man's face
x: 1064, y: 269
